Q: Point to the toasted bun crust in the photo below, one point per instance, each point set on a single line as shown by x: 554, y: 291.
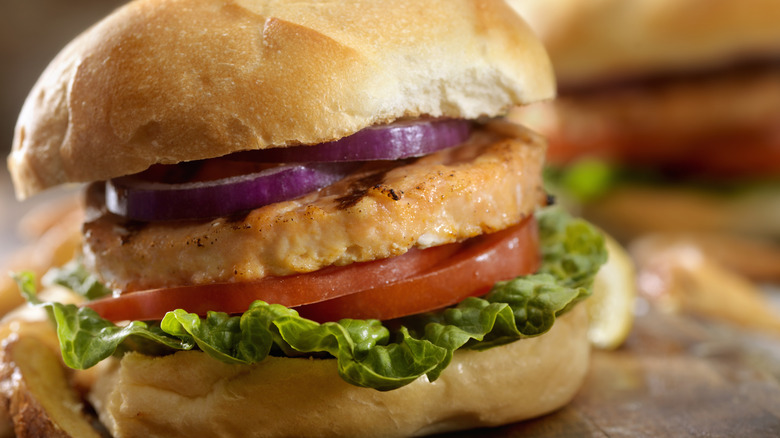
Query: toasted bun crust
x: 517, y: 381
x: 591, y: 41
x: 164, y: 81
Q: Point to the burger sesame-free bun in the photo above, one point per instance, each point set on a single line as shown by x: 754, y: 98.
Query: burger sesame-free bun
x: 592, y: 41
x: 190, y: 394
x: 164, y: 81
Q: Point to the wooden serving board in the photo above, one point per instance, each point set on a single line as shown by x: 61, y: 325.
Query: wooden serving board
x: 676, y: 376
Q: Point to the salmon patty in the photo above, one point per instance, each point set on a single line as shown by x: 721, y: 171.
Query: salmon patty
x: 489, y: 183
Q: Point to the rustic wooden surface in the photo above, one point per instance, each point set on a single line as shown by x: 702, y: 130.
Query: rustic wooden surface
x: 676, y: 376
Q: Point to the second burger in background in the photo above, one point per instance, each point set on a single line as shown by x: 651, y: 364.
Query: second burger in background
x: 665, y: 133
x: 667, y: 115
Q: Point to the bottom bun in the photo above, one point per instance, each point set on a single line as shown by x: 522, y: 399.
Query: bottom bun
x: 190, y: 394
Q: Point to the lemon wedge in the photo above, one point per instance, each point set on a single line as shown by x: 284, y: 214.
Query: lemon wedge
x: 611, y: 307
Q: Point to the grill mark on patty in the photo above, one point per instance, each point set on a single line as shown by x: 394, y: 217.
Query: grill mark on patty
x: 130, y: 229
x: 374, y: 181
x: 238, y: 217
x: 359, y: 188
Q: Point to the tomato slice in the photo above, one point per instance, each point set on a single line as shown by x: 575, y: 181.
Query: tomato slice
x: 471, y: 272
x: 414, y: 282
x: 290, y: 291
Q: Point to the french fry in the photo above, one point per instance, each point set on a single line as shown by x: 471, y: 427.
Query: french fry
x: 46, y: 215
x: 36, y: 390
x: 57, y: 245
x: 754, y: 258
x: 686, y: 276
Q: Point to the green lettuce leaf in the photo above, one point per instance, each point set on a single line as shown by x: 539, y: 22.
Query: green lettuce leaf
x: 591, y: 178
x: 584, y: 180
x: 368, y: 353
x: 76, y: 278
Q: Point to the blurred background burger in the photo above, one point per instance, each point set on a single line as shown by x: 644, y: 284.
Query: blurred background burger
x: 666, y: 132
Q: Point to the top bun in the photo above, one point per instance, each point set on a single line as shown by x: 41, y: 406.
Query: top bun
x: 164, y: 81
x: 602, y: 40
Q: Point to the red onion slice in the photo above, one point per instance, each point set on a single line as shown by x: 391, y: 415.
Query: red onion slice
x: 385, y: 142
x: 138, y: 199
